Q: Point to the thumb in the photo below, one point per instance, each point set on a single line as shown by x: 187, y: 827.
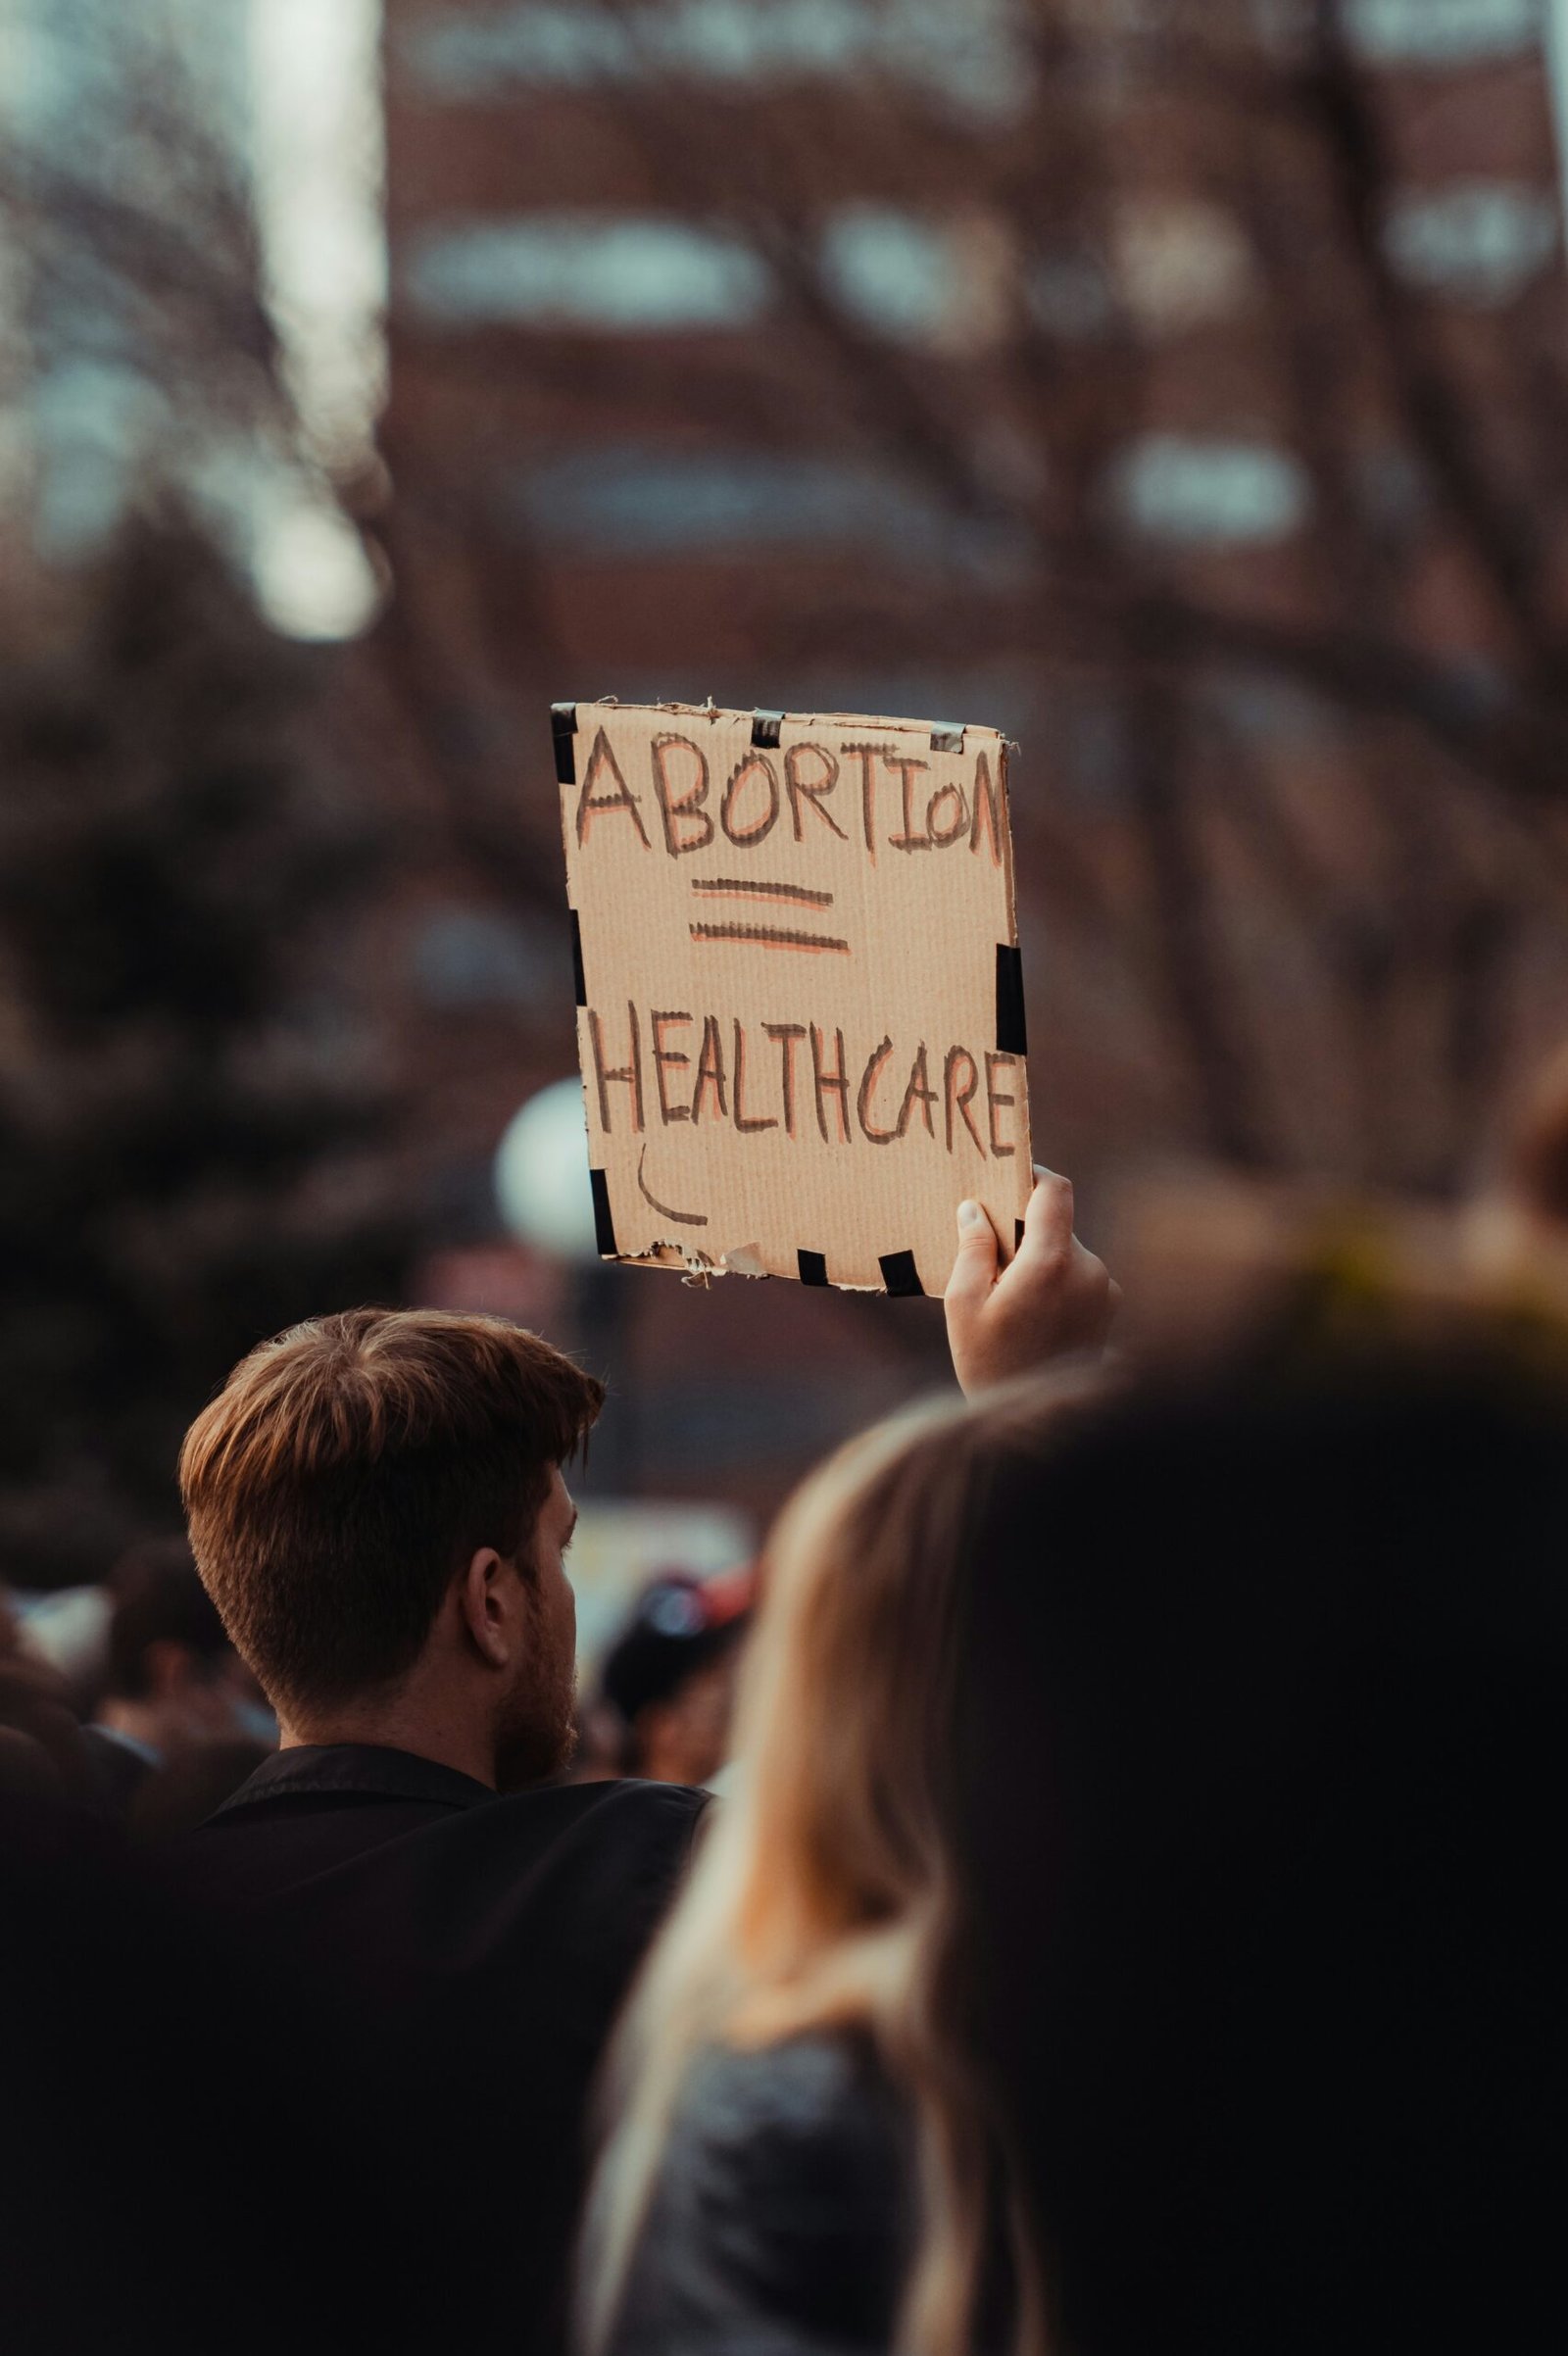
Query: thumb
x: 974, y: 1270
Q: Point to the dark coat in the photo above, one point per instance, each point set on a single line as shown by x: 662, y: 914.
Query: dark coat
x: 782, y: 2220
x: 467, y: 1953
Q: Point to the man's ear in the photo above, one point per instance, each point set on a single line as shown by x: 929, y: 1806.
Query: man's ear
x: 488, y: 1606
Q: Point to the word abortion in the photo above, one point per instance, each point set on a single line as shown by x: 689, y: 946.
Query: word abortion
x: 797, y: 1078
x: 795, y: 790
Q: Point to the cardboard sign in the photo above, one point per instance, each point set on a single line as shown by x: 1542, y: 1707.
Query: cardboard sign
x: 799, y: 1002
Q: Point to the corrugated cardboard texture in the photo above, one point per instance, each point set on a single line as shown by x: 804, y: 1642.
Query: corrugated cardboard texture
x: 800, y: 1005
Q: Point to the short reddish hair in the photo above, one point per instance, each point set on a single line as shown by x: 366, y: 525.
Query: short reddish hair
x: 347, y: 1469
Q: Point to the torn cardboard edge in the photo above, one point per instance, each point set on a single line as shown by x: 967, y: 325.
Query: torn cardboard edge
x: 944, y: 736
x: 901, y: 1278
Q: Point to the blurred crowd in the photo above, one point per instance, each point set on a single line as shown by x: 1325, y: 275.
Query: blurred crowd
x: 1090, y: 1888
x: 128, y: 1699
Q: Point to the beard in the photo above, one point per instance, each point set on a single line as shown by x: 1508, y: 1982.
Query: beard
x: 538, y: 1732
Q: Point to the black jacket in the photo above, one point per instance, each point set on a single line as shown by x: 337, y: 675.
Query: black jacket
x: 469, y: 1954
x: 782, y: 2220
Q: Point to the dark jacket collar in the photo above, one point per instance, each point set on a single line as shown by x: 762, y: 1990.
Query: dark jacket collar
x: 364, y: 1767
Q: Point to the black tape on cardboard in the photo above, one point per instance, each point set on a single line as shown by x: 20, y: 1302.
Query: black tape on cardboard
x: 765, y: 726
x: 900, y: 1275
x: 813, y: 1266
x: 578, y: 982
x: 604, y: 1224
x: 1011, y: 1039
x: 564, y: 728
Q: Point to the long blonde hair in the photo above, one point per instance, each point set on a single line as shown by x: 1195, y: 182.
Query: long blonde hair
x: 824, y: 1893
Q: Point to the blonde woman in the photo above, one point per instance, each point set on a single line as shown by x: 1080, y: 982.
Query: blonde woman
x: 793, y: 2060
x: 1137, y: 1910
x: 794, y: 2052
x: 790, y: 2049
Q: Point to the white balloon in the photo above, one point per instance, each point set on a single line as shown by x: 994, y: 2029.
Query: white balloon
x: 542, y: 1185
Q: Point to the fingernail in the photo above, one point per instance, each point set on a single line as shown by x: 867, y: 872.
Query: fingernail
x: 970, y: 1214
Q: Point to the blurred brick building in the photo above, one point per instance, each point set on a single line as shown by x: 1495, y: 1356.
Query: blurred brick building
x: 1178, y: 387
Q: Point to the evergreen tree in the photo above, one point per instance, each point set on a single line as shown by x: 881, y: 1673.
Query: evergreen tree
x: 186, y: 1154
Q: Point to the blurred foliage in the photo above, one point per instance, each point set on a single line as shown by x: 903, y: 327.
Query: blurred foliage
x: 178, y: 1137
x: 124, y: 199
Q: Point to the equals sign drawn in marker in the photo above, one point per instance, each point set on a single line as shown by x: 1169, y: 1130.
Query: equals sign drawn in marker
x: 733, y: 887
x: 766, y: 935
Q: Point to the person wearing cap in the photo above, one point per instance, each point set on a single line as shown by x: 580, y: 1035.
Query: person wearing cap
x: 669, y: 1681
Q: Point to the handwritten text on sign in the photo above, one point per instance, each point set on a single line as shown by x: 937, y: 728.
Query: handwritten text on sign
x: 709, y: 854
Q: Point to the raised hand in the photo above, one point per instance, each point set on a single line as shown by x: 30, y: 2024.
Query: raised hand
x: 1054, y: 1298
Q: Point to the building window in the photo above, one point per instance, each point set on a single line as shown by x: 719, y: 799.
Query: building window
x: 1442, y: 33
x: 946, y: 281
x: 971, y: 60
x: 1209, y: 494
x: 1480, y: 242
x: 1180, y: 263
x: 892, y: 271
x: 622, y: 275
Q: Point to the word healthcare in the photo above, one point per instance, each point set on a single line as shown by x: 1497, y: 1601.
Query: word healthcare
x: 795, y: 935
